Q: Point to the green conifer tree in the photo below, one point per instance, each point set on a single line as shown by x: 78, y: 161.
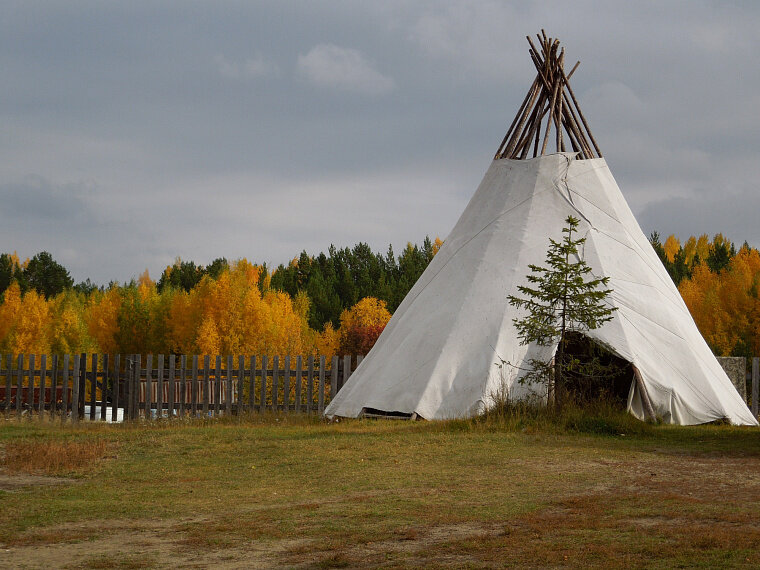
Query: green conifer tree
x: 560, y: 299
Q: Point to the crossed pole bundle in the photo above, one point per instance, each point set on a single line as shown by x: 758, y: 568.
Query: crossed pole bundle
x: 548, y: 99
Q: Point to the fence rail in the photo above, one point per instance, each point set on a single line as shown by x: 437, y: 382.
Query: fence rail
x: 128, y: 387
x: 116, y: 387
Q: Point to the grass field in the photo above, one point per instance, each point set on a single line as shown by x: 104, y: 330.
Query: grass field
x: 293, y: 492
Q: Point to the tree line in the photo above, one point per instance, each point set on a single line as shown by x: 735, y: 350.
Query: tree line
x: 334, y: 302
x: 720, y: 286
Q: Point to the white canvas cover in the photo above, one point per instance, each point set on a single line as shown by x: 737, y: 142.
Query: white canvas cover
x: 437, y: 355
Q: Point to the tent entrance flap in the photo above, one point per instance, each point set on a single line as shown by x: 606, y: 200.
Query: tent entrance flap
x: 597, y: 374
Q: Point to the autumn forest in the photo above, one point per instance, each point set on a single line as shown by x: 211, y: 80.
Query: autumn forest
x: 332, y: 303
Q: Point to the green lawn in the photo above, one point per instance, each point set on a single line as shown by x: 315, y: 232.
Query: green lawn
x: 286, y: 491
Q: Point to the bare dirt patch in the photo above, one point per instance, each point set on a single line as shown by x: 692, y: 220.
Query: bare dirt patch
x: 137, y: 544
x: 19, y: 481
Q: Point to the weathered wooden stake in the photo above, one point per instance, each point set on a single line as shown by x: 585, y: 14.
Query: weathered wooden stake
x: 160, y: 387
x: 310, y: 385
x: 43, y: 384
x: 65, y: 386
x: 263, y: 386
x: 115, y: 389
x: 321, y: 387
x: 299, y: 381
x: 77, y: 374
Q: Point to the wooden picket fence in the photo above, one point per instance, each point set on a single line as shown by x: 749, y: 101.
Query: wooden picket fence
x: 132, y: 387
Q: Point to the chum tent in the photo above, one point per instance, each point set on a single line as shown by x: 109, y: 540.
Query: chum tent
x: 436, y: 357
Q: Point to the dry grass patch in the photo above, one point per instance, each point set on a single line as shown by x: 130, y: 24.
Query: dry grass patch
x: 274, y: 492
x: 51, y: 457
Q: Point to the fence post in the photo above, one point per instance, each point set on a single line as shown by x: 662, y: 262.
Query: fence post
x: 148, y: 386
x: 129, y: 372
x: 8, y: 383
x: 82, y: 379
x: 77, y: 385
x: 65, y: 386
x: 346, y: 371
x: 334, y: 377
x: 310, y: 384
x: 183, y: 384
x: 263, y: 396
x: 115, y: 389
x: 275, y: 378
x: 160, y: 387
x: 286, y: 386
x: 228, y: 388
x: 19, y: 382
x: 321, y: 386
x: 206, y: 387
x: 135, y: 388
x: 194, y: 388
x: 54, y: 387
x: 104, y: 386
x: 252, y: 385
x: 172, y: 385
x: 299, y: 381
x: 93, y: 384
x: 217, y: 385
x: 30, y: 389
x: 755, y: 384
x: 240, y: 383
x: 43, y: 384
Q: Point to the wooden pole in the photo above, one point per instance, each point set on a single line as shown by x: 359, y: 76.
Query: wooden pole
x: 19, y: 383
x: 93, y: 384
x: 64, y: 385
x: 569, y: 75
x: 43, y: 385
x: 551, y: 116
x: 54, y: 387
x: 310, y: 384
x: 194, y: 397
x: 160, y: 387
x: 523, y: 118
x: 263, y: 396
x: 77, y: 384
x: 321, y: 386
x: 558, y: 119
x: 286, y: 384
x: 517, y: 116
x: 299, y: 382
x: 104, y: 387
x: 275, y: 381
x: 583, y: 119
x: 217, y: 385
x: 115, y: 389
x: 172, y: 386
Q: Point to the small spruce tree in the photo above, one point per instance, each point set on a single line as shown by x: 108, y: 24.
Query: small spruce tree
x: 560, y: 299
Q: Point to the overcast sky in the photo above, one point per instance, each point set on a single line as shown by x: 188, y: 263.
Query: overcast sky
x: 136, y: 132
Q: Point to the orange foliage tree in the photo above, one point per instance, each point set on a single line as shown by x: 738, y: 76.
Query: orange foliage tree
x: 361, y: 325
x: 24, y: 322
x: 725, y: 305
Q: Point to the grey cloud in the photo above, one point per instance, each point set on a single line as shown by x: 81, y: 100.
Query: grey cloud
x: 336, y: 67
x: 197, y: 133
x: 34, y: 199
